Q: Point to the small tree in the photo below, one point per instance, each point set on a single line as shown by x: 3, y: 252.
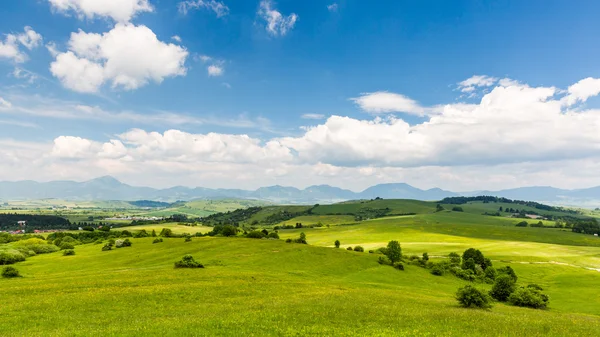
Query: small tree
x: 393, y: 251
x: 454, y: 259
x: 510, y: 272
x: 153, y: 233
x: 337, y: 243
x: 68, y: 252
x: 530, y: 296
x: 471, y: 297
x: 188, y: 262
x: 502, y: 288
x: 359, y: 249
x: 425, y: 257
x: 230, y: 231
x: 439, y: 208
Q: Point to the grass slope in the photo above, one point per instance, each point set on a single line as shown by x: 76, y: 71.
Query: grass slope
x: 256, y: 287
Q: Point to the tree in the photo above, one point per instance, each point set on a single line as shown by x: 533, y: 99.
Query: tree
x: 425, y: 257
x: 500, y: 209
x: 476, y: 255
x: 393, y: 251
x: 337, y: 243
x: 439, y: 208
x: 502, y: 288
x: 454, y: 258
x: 508, y: 271
x: 530, y: 296
x: 229, y: 230
x: 153, y: 233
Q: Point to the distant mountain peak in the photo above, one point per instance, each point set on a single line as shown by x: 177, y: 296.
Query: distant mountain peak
x: 106, y: 180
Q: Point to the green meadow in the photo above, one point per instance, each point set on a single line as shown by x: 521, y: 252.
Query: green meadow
x: 272, y: 288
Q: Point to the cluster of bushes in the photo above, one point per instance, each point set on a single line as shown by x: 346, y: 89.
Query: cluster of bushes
x: 392, y: 255
x: 488, y: 199
x: 68, y: 252
x: 301, y: 239
x: 157, y: 240
x: 122, y: 243
x: 188, y: 262
x: 263, y: 234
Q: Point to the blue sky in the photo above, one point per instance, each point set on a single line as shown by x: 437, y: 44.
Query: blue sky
x: 318, y: 59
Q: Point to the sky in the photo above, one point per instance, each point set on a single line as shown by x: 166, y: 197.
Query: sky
x: 460, y: 95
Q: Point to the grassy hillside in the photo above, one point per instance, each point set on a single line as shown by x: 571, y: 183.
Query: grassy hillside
x: 268, y: 287
x: 202, y: 208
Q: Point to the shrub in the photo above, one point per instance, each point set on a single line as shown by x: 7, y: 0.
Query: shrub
x: 119, y: 243
x: 349, y: 248
x: 44, y: 249
x: 425, y: 257
x: 502, y: 288
x: 530, y: 297
x: 255, y: 235
x: 10, y: 272
x: 288, y: 241
x: 98, y: 242
x: 66, y: 245
x: 438, y: 270
x: 474, y: 254
x: 68, y: 252
x: 383, y: 260
x: 229, y: 230
x: 468, y: 264
x: 371, y: 251
x: 166, y: 232
x: 393, y: 251
x: 454, y: 259
x: 457, y: 209
x: 337, y: 243
x: 153, y: 233
x: 188, y: 239
x: 471, y: 297
x: 490, y: 273
x: 359, y: 249
x: 107, y: 247
x: 141, y: 234
x: 399, y: 265
x: 302, y: 239
x: 157, y: 240
x: 522, y: 224
x: 188, y: 262
x: 463, y: 274
x: 508, y: 271
x: 273, y: 235
x: 10, y: 257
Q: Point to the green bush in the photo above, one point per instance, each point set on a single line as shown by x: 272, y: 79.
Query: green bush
x: 371, y: 251
x: 337, y: 243
x: 255, y: 235
x: 490, y: 273
x: 457, y: 209
x: 383, y: 260
x: 68, y: 252
x: 530, y: 296
x: 455, y: 259
x: 349, y: 248
x: 438, y: 270
x: 471, y: 297
x: 359, y: 249
x: 157, y: 240
x: 10, y: 272
x: 11, y: 257
x: 288, y: 241
x: 522, y: 224
x: 166, y: 232
x: 188, y: 239
x: 141, y: 234
x: 273, y: 235
x: 188, y: 262
x: 399, y: 265
x: 107, y: 247
x: 502, y: 288
x: 66, y: 245
x: 229, y: 230
x: 425, y: 257
x: 508, y: 271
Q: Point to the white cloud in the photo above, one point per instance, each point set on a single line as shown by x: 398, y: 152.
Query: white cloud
x: 582, y: 90
x: 52, y: 49
x: 203, y: 58
x: 383, y: 102
x: 313, y: 116
x: 216, y: 6
x: 10, y: 47
x: 333, y: 7
x: 277, y: 24
x: 4, y: 104
x: 470, y: 84
x: 118, y: 10
x: 215, y: 70
x: 73, y: 147
x: 226, y: 85
x: 128, y: 57
x: 176, y: 38
x: 24, y: 74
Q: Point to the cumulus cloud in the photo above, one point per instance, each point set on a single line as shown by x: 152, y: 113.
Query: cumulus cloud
x: 470, y: 84
x: 9, y: 48
x: 515, y: 135
x: 128, y: 57
x: 582, y: 90
x: 218, y: 7
x: 277, y: 23
x: 176, y: 38
x: 215, y: 70
x: 384, y: 102
x: 118, y: 10
x: 333, y: 7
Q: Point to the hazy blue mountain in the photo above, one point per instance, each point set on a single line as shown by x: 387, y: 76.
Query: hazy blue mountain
x: 109, y: 188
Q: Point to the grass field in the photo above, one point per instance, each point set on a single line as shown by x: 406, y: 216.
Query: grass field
x: 268, y: 287
x: 176, y: 228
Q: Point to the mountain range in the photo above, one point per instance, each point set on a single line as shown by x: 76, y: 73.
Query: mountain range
x: 109, y: 188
